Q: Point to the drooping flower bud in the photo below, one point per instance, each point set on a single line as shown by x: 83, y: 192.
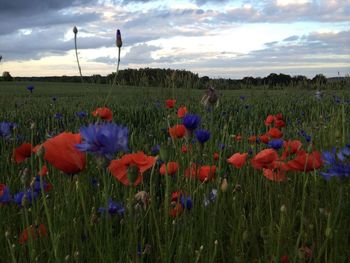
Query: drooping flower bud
x: 119, y: 42
x: 75, y: 30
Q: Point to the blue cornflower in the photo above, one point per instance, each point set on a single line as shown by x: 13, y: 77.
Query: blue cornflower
x: 242, y: 97
x: 58, y: 116
x: 276, y: 143
x: 5, y: 196
x: 221, y: 146
x: 339, y: 163
x: 36, y: 185
x: 27, y: 196
x: 104, y: 139
x: 30, y: 88
x: 191, y: 121
x: 155, y: 149
x: 202, y: 135
x: 113, y: 208
x: 54, y: 99
x: 5, y: 129
x: 212, y: 197
x: 186, y: 202
x: 81, y: 114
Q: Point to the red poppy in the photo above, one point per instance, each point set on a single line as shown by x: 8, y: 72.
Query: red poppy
x: 237, y: 138
x: 290, y: 147
x: 61, y: 153
x: 170, y: 104
x: 216, y: 156
x: 284, y: 259
x: 252, y: 139
x: 43, y: 171
x: 238, y: 160
x: 275, y: 133
x: 171, y: 168
x: 306, y: 162
x: 264, y: 138
x: 33, y: 233
x: 104, y: 113
x: 183, y: 149
x: 22, y: 152
x: 279, y: 123
x: 181, y: 112
x: 269, y: 120
x: 278, y: 116
x: 264, y: 159
x: 275, y: 175
x: 206, y: 173
x: 177, y: 131
x: 119, y: 168
x: 191, y: 171
x: 176, y: 210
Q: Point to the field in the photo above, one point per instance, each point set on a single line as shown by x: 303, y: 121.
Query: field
x: 193, y: 212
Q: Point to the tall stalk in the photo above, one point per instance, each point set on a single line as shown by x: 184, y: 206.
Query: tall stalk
x: 75, y: 31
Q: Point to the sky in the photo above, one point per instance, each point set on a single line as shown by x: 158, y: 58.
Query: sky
x: 216, y: 38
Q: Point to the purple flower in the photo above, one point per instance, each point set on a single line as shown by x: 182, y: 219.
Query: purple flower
x: 202, y: 135
x: 155, y: 149
x: 113, y: 208
x: 58, y: 116
x: 338, y: 163
x: 5, y: 129
x: 276, y: 143
x: 186, y: 202
x: 30, y: 88
x: 81, y: 114
x: 104, y: 139
x: 191, y: 121
x: 27, y: 196
x: 4, y: 194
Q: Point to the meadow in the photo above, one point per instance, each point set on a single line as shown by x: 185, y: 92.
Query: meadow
x: 284, y: 198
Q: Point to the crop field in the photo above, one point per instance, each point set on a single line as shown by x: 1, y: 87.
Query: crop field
x: 90, y: 173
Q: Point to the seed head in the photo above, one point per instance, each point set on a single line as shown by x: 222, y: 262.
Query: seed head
x: 75, y: 30
x: 119, y: 42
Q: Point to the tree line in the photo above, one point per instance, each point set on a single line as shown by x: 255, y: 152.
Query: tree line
x: 155, y: 77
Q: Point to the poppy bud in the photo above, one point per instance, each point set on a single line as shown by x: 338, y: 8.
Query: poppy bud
x: 75, y: 30
x: 119, y: 42
x: 164, y: 153
x: 224, y: 185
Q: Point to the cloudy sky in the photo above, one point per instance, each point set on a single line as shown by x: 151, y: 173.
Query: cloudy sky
x: 218, y: 38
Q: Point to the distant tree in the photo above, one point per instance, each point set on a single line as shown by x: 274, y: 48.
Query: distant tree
x: 319, y: 79
x: 6, y: 76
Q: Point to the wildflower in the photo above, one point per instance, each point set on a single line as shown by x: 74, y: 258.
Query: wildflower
x: 171, y: 168
x: 237, y: 137
x: 22, y: 152
x: 181, y: 112
x: 104, y: 113
x: 290, y: 147
x: 141, y: 162
x: 25, y: 198
x: 264, y: 138
x: 4, y: 194
x: 252, y: 139
x: 206, y: 173
x: 32, y: 232
x: 30, y: 88
x: 170, y: 103
x: 211, y: 97
x: 113, y: 208
x: 179, y: 202
x: 338, y: 163
x: 104, y: 139
x: 269, y: 120
x: 183, y: 149
x: 61, y: 152
x: 279, y: 123
x: 36, y: 185
x: 238, y: 159
x: 212, y: 197
x: 143, y: 199
x: 275, y: 143
x: 178, y: 131
x: 58, y: 116
x: 275, y: 133
x: 306, y: 162
x: 75, y: 30
x: 119, y: 42
x: 274, y: 175
x: 191, y: 121
x: 81, y: 114
x: 155, y: 149
x: 43, y: 171
x: 264, y: 159
x: 202, y: 136
x: 5, y: 129
x: 216, y: 156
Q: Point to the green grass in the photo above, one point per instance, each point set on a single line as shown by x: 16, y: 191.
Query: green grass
x: 260, y: 221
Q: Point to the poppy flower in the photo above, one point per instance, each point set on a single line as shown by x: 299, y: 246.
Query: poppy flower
x: 4, y: 194
x: 104, y: 113
x: 183, y: 149
x: 176, y: 210
x: 264, y: 159
x: 252, y: 139
x: 61, y: 152
x: 237, y: 138
x: 275, y: 133
x: 179, y: 202
x: 238, y: 160
x: 206, y: 172
x: 170, y: 103
x: 192, y: 171
x: 170, y: 168
x: 22, y: 152
x: 290, y: 147
x: 32, y: 232
x: 306, y: 162
x: 279, y: 123
x: 177, y: 131
x: 264, y: 138
x: 191, y: 121
x: 269, y: 120
x: 181, y: 112
x: 275, y: 175
x: 278, y: 116
x: 120, y: 168
x: 216, y: 156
